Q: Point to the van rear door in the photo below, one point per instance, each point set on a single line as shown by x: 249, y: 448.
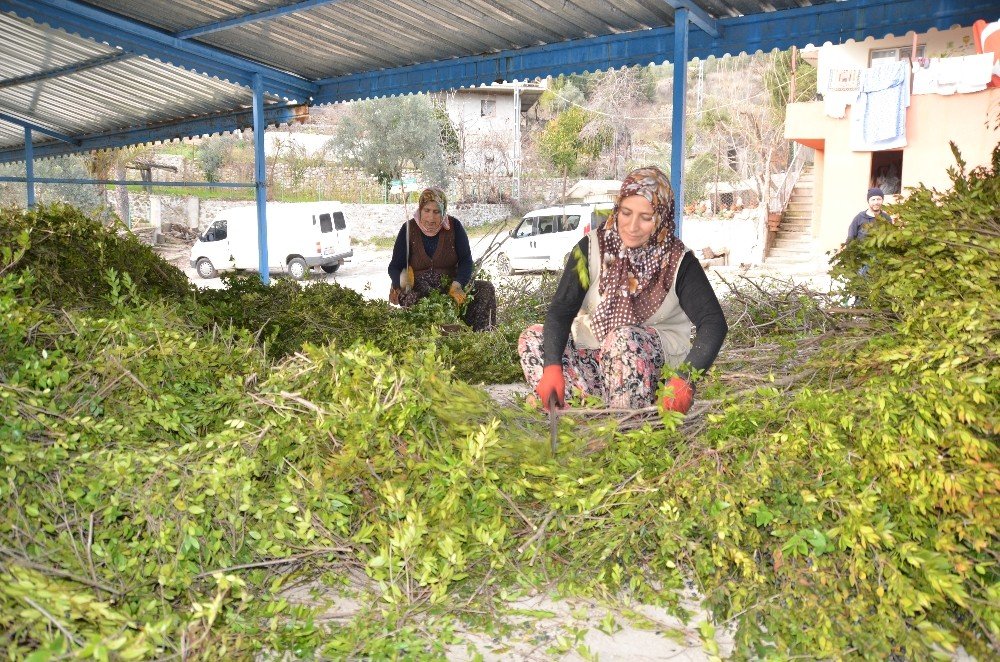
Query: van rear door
x: 335, y: 238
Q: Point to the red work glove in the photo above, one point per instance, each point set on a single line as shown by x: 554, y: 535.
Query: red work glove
x: 679, y: 395
x: 552, y: 382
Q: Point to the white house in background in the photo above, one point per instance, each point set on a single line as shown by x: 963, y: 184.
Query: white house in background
x: 281, y: 142
x: 594, y: 190
x: 488, y: 122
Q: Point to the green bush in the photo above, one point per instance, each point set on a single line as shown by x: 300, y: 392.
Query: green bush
x: 71, y: 253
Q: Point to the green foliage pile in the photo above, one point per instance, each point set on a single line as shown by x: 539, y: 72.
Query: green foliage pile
x: 70, y: 254
x: 285, y: 317
x: 163, y: 482
x: 155, y: 473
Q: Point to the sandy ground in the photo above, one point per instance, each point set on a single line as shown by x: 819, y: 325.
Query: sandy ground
x: 541, y: 627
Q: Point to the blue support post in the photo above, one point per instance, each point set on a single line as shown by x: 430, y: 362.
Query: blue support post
x: 29, y: 166
x: 680, y: 107
x: 258, y: 174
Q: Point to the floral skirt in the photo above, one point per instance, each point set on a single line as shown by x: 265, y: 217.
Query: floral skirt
x: 624, y: 372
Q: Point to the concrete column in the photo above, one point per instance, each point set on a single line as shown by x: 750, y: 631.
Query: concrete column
x: 156, y: 217
x: 193, y: 211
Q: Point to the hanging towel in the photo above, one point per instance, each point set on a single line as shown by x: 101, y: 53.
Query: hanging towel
x: 878, y: 117
x: 841, y: 89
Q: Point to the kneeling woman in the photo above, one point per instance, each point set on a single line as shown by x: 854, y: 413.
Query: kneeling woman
x: 432, y: 253
x: 631, y: 318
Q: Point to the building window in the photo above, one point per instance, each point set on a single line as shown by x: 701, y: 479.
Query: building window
x: 487, y: 108
x: 893, y: 54
x: 887, y: 171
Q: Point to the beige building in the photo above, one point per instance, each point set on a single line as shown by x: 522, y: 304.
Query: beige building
x: 948, y: 102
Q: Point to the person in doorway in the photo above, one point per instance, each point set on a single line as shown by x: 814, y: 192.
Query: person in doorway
x: 432, y: 253
x: 620, y: 321
x: 859, y: 226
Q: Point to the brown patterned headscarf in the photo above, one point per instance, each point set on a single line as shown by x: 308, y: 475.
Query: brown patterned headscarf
x: 433, y: 195
x: 635, y: 281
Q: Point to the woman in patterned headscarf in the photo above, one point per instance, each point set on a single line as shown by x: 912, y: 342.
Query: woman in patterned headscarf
x: 432, y: 253
x: 630, y: 293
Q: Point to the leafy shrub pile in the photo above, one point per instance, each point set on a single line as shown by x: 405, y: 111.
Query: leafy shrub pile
x: 285, y: 316
x: 70, y: 253
x: 163, y: 481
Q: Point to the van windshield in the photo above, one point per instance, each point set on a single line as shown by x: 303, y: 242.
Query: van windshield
x: 526, y: 228
x: 215, y: 232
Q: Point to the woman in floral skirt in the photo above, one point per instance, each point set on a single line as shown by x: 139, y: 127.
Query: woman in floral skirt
x: 620, y: 322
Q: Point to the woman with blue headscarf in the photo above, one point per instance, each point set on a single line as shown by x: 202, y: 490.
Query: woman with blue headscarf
x: 432, y: 253
x: 624, y: 308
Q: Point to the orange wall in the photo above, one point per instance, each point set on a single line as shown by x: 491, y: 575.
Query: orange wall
x: 841, y: 179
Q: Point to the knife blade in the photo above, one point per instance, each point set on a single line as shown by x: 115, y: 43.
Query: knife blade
x: 553, y: 423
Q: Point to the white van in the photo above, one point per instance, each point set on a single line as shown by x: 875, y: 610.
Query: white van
x: 299, y: 236
x: 544, y: 237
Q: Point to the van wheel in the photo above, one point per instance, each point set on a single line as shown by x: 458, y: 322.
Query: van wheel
x: 503, y: 265
x: 205, y: 268
x: 297, y: 268
x: 331, y: 268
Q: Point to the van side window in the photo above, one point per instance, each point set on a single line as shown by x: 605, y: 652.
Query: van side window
x: 325, y: 223
x: 547, y: 224
x: 570, y: 223
x: 526, y: 228
x: 215, y: 232
x: 339, y: 221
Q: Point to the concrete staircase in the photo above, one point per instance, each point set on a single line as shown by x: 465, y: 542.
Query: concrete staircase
x: 793, y: 246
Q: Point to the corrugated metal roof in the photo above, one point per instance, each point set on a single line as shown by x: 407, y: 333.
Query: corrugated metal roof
x: 114, y: 96
x: 353, y: 36
x: 322, y: 51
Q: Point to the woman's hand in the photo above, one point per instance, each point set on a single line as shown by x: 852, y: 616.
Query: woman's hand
x: 456, y: 292
x: 551, y: 383
x: 679, y: 395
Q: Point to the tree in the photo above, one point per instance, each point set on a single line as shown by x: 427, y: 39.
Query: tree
x: 383, y: 137
x: 111, y: 164
x: 82, y: 196
x: 563, y: 145
x: 615, y: 95
x: 212, y: 154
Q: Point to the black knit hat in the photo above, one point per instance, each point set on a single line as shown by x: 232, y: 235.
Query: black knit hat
x: 872, y: 192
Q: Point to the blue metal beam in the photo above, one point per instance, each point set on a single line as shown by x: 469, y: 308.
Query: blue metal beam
x: 253, y: 18
x: 260, y: 178
x: 835, y: 22
x: 696, y: 15
x: 124, y: 182
x: 133, y: 37
x: 4, y: 117
x: 677, y: 142
x: 67, y: 70
x: 29, y: 167
x: 219, y: 123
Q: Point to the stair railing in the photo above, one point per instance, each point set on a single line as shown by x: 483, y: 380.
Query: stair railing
x: 780, y: 200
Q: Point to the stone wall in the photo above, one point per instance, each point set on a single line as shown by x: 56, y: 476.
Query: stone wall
x: 364, y: 221
x: 743, y: 235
